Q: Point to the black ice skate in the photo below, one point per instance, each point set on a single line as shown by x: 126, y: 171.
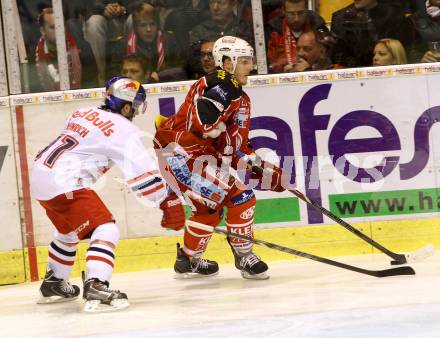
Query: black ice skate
x: 249, y: 264
x: 186, y: 267
x: 98, y: 297
x: 56, y: 290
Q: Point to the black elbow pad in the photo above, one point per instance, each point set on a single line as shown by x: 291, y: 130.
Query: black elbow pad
x: 208, y: 113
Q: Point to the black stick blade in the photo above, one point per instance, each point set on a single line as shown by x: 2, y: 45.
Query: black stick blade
x: 401, y: 270
x: 400, y: 261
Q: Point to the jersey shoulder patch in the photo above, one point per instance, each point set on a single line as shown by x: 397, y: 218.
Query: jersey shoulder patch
x: 226, y: 81
x: 221, y: 88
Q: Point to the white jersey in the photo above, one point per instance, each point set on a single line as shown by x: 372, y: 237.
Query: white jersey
x: 93, y: 140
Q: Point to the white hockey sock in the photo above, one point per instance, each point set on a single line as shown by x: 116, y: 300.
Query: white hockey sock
x: 61, y: 259
x: 100, y: 260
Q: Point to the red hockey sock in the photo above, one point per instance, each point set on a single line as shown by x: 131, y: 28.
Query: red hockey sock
x: 196, y: 240
x: 240, y: 220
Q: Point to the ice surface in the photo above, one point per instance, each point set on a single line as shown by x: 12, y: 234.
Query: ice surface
x: 301, y: 299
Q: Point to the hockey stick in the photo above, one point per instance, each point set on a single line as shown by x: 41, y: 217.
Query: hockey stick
x: 415, y: 256
x: 402, y: 270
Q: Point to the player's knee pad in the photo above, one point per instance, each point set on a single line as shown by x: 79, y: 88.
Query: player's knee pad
x: 241, y: 207
x: 108, y: 232
x: 192, y: 231
x: 69, y: 238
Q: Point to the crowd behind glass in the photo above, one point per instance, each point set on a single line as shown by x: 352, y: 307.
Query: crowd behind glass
x: 171, y: 40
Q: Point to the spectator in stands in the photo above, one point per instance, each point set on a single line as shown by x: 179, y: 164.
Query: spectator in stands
x: 180, y: 16
x: 201, y: 61
x: 107, y: 26
x: 46, y: 55
x: 314, y: 51
x: 409, y: 6
x: 222, y: 21
x: 29, y: 11
x: 389, y: 52
x: 206, y: 57
x: 359, y: 25
x: 426, y: 23
x: 432, y: 55
x: 284, y: 31
x: 134, y: 67
x: 160, y: 50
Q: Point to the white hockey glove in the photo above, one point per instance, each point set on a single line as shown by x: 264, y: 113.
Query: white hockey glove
x: 215, y: 132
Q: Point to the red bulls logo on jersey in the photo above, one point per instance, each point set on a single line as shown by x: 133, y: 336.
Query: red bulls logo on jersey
x: 94, y: 118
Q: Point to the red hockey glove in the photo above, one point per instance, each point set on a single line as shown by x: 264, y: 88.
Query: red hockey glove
x: 173, y: 213
x: 269, y: 175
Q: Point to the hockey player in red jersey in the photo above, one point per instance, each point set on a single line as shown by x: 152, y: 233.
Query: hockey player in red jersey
x: 213, y: 125
x: 92, y: 141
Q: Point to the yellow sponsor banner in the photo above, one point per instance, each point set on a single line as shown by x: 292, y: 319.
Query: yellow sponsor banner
x: 323, y: 240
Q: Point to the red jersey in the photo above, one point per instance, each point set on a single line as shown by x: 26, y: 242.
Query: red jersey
x: 213, y: 99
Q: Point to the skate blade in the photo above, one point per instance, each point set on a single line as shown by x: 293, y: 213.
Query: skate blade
x: 260, y: 276
x: 54, y: 299
x: 92, y: 306
x: 193, y: 275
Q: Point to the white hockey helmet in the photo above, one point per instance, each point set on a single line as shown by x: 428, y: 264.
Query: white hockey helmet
x: 231, y: 47
x: 120, y: 90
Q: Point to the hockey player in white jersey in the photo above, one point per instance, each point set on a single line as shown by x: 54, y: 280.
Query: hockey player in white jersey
x: 92, y: 140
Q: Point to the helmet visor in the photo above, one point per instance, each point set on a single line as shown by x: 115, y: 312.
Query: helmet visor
x: 247, y: 60
x: 139, y: 105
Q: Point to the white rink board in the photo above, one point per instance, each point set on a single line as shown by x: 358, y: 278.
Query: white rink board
x: 133, y: 219
x: 395, y: 96
x: 9, y: 209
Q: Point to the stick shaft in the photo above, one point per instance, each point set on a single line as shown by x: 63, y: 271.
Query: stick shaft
x: 398, y: 257
x: 406, y: 270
